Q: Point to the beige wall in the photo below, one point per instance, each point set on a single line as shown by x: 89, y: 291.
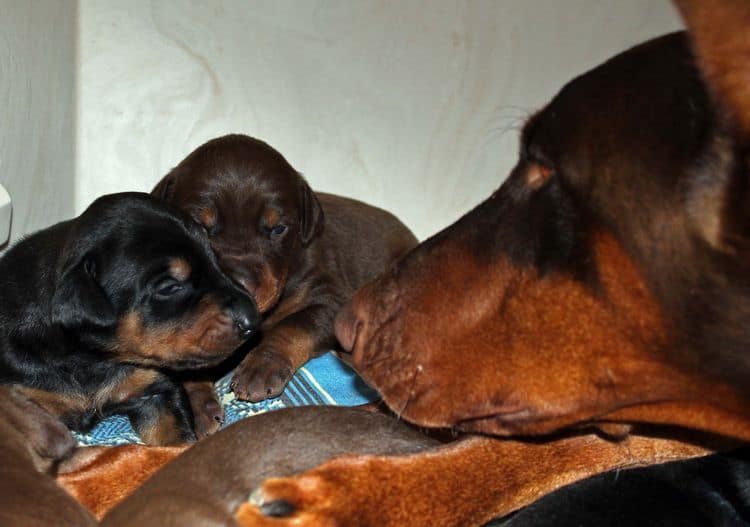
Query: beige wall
x: 411, y: 105
x: 37, y: 136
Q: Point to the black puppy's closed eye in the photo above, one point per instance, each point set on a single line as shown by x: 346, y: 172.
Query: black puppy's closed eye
x: 168, y: 287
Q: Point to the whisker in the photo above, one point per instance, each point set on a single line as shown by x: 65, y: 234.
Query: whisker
x: 410, y: 393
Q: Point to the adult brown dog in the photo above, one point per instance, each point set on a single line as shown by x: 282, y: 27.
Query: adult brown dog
x: 301, y: 254
x: 607, y: 282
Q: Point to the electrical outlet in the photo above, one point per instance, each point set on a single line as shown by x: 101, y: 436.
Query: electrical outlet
x: 5, y: 209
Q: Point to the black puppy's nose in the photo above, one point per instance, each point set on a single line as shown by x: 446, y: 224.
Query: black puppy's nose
x: 245, y: 315
x: 245, y: 325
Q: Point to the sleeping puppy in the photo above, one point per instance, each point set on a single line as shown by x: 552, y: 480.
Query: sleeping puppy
x: 94, y: 311
x: 301, y: 254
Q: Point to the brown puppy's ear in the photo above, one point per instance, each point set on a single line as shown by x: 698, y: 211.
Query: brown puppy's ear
x: 79, y: 301
x: 311, y: 214
x: 164, y: 189
x: 721, y: 40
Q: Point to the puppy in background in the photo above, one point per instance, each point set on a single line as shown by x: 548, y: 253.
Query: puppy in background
x: 299, y: 253
x: 95, y: 311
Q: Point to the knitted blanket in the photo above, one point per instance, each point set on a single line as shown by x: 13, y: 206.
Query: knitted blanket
x: 324, y: 380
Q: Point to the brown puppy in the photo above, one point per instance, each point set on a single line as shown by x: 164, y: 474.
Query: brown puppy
x: 607, y: 281
x: 301, y: 254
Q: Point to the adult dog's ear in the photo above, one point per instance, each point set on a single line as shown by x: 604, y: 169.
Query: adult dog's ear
x: 79, y: 301
x: 719, y: 31
x: 164, y: 189
x: 311, y: 214
x: 721, y: 42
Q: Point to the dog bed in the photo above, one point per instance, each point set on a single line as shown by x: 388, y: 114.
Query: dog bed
x: 324, y: 380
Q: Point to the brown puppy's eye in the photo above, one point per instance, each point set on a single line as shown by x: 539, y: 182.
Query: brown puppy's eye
x: 277, y: 231
x: 208, y: 219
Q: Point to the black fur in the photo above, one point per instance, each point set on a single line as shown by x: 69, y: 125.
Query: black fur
x: 714, y: 490
x: 64, y: 294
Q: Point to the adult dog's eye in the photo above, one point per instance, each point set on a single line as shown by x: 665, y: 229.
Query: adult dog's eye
x: 537, y: 174
x: 169, y: 287
x: 278, y: 231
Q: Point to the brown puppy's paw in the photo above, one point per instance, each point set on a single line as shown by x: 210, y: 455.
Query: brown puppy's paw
x: 208, y: 414
x: 262, y: 375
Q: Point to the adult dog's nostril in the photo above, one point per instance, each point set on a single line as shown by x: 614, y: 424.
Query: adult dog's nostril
x: 346, y: 327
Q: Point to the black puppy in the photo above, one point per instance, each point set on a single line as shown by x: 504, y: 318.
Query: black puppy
x: 94, y: 310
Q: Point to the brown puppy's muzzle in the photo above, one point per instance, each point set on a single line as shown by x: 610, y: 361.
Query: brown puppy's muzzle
x: 257, y: 278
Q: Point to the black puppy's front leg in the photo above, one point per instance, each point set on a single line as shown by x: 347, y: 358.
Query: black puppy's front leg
x: 163, y: 415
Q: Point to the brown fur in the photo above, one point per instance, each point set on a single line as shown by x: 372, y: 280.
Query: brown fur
x: 32, y: 443
x: 542, y: 346
x: 443, y: 487
x: 241, y: 190
x: 101, y: 477
x: 605, y: 283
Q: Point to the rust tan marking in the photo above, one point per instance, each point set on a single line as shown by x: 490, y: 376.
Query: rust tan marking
x: 207, y: 217
x: 537, y: 175
x: 269, y: 287
x: 128, y: 388
x: 118, y: 391
x: 164, y: 431
x: 271, y: 218
x: 207, y: 335
x: 291, y: 304
x: 100, y: 477
x: 180, y: 269
x: 57, y: 403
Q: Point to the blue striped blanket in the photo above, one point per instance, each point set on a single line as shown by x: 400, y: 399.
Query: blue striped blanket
x: 324, y: 380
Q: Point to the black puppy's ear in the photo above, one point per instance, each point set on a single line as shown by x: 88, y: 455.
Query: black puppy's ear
x: 79, y: 301
x: 311, y: 214
x: 164, y: 189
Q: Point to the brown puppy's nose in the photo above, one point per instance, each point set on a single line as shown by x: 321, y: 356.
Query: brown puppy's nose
x: 346, y: 326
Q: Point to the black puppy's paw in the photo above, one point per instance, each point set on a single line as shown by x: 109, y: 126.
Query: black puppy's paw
x: 262, y: 375
x: 208, y: 414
